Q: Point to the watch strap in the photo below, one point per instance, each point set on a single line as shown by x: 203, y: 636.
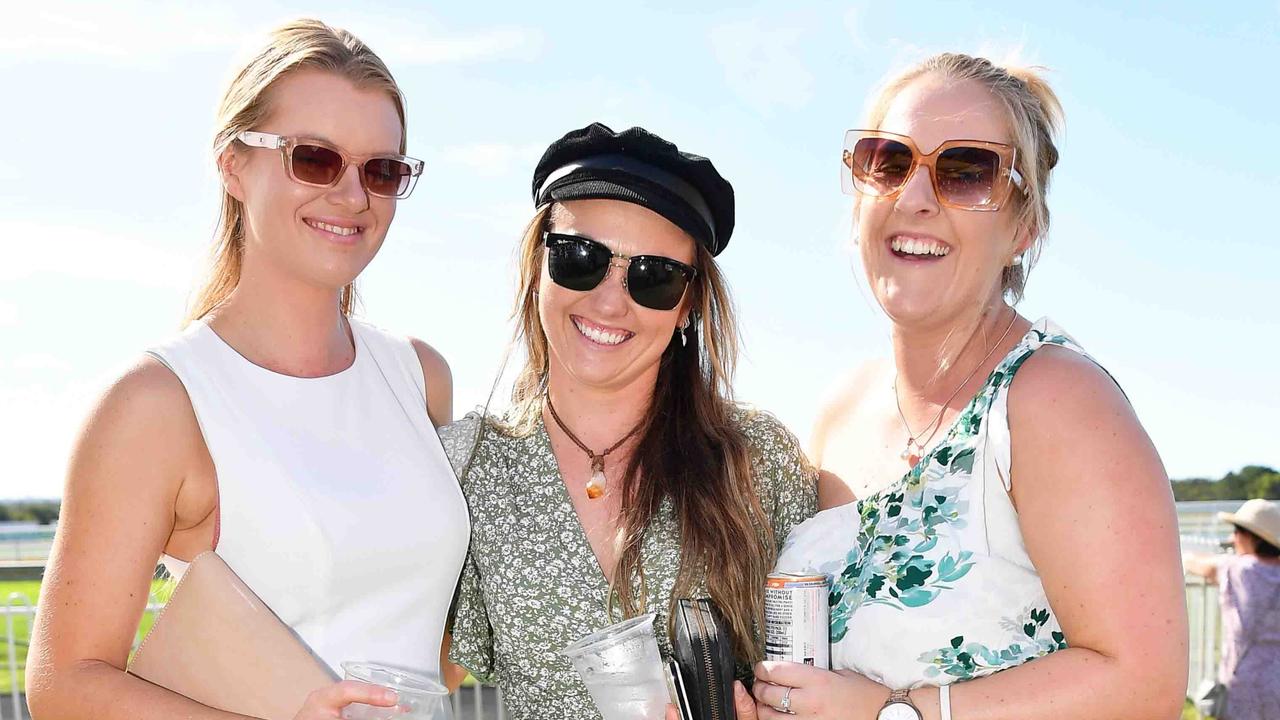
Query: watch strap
x: 900, y: 697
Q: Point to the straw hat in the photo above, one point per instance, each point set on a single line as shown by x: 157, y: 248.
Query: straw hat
x: 1259, y: 516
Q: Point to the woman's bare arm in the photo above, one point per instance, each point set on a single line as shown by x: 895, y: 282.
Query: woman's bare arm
x: 1096, y: 512
x: 439, y: 382
x: 124, y: 484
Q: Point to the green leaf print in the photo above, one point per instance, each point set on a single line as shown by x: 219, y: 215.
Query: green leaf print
x: 965, y: 661
x: 875, y: 585
x: 914, y: 575
x: 953, y: 567
x: 918, y: 597
x: 925, y: 545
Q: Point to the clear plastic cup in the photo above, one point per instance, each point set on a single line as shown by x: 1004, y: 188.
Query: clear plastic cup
x: 421, y: 697
x: 623, y: 671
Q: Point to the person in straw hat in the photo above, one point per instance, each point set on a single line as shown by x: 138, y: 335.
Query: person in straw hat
x: 1249, y: 583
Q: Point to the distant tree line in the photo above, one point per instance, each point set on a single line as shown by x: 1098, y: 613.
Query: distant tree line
x: 43, y: 512
x: 1253, y: 481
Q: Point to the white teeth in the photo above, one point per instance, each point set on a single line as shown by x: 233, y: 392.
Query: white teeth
x: 604, y: 338
x: 912, y: 246
x: 336, y: 230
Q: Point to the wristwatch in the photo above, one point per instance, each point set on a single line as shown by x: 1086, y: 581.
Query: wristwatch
x: 899, y: 707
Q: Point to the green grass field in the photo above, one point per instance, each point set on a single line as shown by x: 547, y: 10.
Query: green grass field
x: 30, y: 589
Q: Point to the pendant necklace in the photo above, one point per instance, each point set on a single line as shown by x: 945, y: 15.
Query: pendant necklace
x: 596, y: 485
x: 915, y: 445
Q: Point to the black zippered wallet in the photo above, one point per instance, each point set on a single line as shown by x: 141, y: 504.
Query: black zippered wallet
x: 703, y: 649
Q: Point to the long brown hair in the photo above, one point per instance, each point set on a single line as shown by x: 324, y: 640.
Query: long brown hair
x: 247, y: 101
x: 690, y: 450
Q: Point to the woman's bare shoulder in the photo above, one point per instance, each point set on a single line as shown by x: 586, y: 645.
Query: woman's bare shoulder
x: 143, y: 418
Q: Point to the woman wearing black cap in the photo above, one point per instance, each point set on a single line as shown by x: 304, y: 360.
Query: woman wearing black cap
x: 623, y: 477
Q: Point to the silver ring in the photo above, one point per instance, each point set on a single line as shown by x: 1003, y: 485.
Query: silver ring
x: 786, y: 701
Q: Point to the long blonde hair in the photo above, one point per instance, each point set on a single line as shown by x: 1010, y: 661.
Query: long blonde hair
x: 1035, y: 117
x: 300, y: 44
x: 690, y: 450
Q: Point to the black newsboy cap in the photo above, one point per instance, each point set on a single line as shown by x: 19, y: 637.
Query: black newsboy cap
x: 639, y: 167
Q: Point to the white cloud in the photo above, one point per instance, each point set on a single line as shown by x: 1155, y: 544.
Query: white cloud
x: 130, y: 31
x: 42, y: 423
x: 762, y: 64
x: 145, y: 32
x: 85, y: 253
x: 853, y: 26
x: 8, y: 314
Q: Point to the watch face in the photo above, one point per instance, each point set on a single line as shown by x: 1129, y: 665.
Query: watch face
x: 898, y: 711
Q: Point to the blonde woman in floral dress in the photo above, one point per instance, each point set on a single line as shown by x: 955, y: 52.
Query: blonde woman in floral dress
x: 984, y: 491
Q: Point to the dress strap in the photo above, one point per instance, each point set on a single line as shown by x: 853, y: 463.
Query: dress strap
x: 995, y: 426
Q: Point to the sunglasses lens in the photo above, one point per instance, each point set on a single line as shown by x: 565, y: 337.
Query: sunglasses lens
x: 388, y: 177
x: 316, y: 165
x: 576, y: 263
x: 967, y: 175
x: 656, y: 283
x: 880, y: 166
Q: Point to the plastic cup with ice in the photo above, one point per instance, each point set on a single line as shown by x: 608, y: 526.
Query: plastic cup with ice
x: 623, y: 670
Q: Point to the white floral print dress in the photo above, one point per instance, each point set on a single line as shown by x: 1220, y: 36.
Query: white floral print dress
x: 931, y: 580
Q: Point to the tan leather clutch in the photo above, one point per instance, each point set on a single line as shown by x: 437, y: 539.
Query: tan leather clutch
x: 217, y: 643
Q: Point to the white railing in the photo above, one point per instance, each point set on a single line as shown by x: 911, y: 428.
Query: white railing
x: 1205, y: 620
x: 473, y: 703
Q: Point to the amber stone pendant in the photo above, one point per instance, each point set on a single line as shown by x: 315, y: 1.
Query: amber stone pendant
x: 595, y: 486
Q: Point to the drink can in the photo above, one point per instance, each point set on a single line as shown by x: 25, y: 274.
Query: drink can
x: 797, y: 619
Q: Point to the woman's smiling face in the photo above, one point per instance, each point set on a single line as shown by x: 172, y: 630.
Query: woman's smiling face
x: 322, y: 237
x: 928, y: 264
x: 602, y: 338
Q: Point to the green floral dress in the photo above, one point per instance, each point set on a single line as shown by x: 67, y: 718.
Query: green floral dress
x: 531, y: 584
x: 931, y: 579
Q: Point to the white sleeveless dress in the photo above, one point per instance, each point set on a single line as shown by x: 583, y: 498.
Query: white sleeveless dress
x: 337, y: 505
x: 931, y: 579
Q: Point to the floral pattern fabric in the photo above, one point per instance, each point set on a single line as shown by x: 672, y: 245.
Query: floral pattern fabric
x: 931, y: 582
x: 531, y: 584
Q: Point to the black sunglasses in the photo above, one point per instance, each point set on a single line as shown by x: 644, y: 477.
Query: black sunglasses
x: 579, y: 263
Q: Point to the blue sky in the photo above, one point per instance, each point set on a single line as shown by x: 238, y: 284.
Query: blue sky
x: 1161, y: 260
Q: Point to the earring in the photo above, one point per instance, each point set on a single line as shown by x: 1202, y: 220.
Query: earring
x: 1016, y: 261
x: 680, y: 330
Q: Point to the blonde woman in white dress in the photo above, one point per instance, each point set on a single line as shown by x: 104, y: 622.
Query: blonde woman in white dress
x: 294, y: 439
x: 999, y: 528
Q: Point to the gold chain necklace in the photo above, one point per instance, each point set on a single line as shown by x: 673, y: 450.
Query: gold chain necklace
x: 913, y: 440
x: 596, y: 485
